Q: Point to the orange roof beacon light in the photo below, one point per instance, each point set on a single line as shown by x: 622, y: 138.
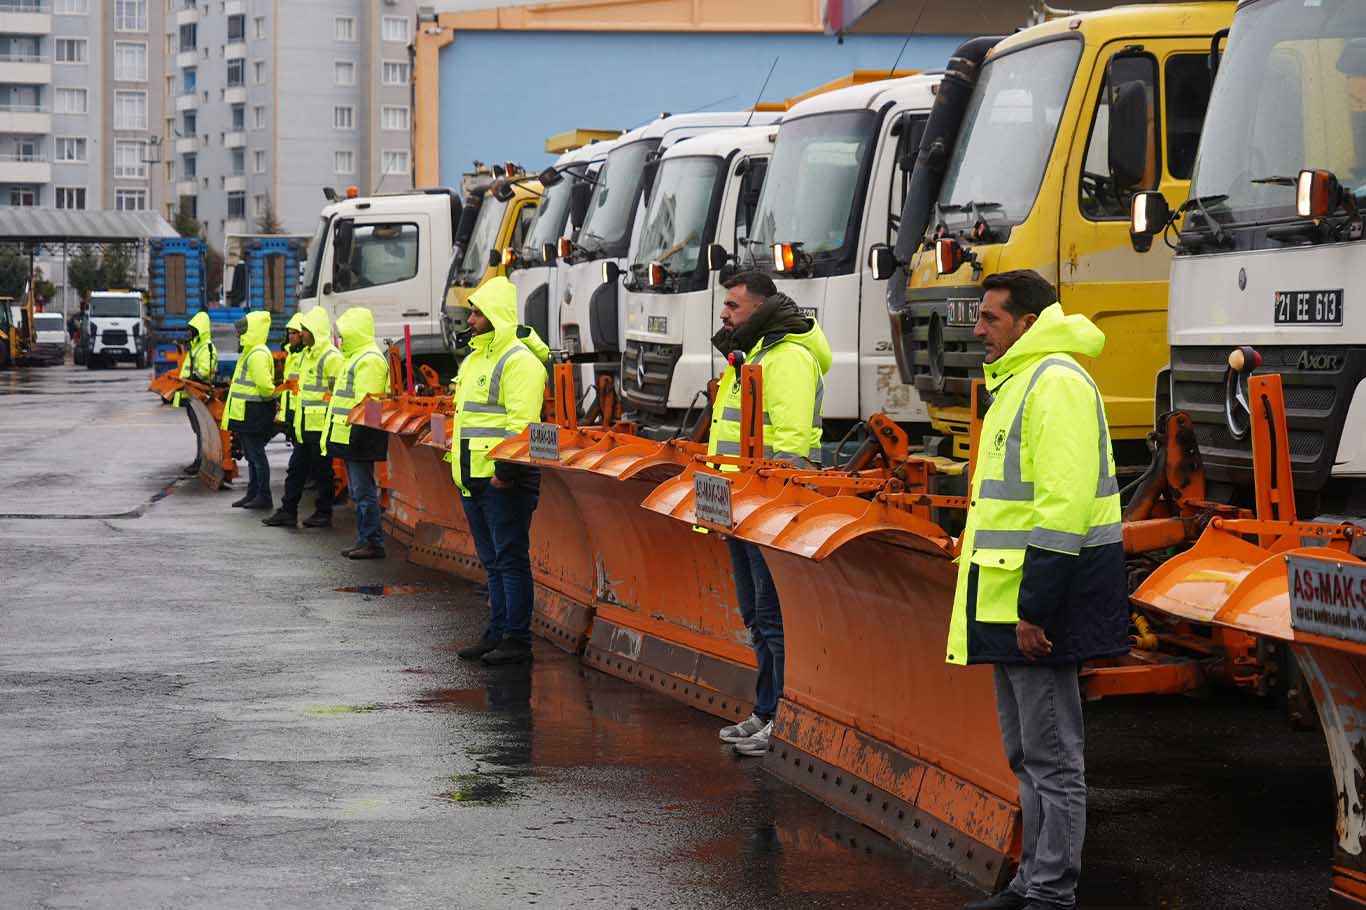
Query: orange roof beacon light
x: 352, y: 192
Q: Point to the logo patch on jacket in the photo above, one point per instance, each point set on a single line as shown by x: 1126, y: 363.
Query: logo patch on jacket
x: 483, y: 381
x: 1000, y: 440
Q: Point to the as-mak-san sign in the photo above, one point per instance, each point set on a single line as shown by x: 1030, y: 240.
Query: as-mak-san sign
x: 1327, y: 597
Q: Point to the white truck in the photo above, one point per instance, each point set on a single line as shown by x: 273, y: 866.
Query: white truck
x: 590, y: 316
x: 113, y: 330
x: 834, y: 189
x: 705, y: 192
x: 1269, y: 249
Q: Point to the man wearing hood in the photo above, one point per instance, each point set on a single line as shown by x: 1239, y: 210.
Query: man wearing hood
x: 294, y: 352
x: 761, y: 326
x: 498, y: 391
x: 1041, y: 580
x: 315, y: 369
x: 365, y: 373
x: 200, y: 364
x: 249, y: 411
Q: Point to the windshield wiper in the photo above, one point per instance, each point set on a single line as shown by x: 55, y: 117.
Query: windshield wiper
x: 975, y: 208
x: 1275, y: 180
x: 1198, y: 203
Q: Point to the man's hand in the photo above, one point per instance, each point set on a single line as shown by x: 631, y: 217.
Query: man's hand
x: 1032, y: 641
x: 500, y: 484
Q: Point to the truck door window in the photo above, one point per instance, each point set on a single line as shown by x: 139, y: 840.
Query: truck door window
x: 747, y: 206
x: 526, y: 215
x: 1100, y: 199
x: 1187, y: 91
x: 380, y: 254
x: 910, y: 130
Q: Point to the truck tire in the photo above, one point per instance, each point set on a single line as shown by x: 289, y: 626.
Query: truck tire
x: 78, y: 355
x: 92, y: 362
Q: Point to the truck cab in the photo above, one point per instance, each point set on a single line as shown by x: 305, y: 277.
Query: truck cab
x: 387, y: 253
x: 1065, y: 122
x: 705, y: 192
x: 113, y: 331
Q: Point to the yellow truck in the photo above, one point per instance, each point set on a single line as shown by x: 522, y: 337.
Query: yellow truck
x: 1035, y: 147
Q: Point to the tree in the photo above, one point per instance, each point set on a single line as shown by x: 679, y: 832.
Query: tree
x: 85, y: 273
x: 13, y: 272
x: 47, y: 291
x: 117, y: 267
x: 185, y: 223
x: 268, y: 222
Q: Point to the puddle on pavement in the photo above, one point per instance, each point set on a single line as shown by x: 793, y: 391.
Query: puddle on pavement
x: 330, y: 710
x: 462, y: 699
x: 480, y: 788
x: 383, y: 590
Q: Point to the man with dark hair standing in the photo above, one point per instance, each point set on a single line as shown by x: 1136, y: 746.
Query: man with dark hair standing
x: 1041, y: 582
x: 766, y: 328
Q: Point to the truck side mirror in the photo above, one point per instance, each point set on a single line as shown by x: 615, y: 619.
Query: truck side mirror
x: 1148, y: 216
x: 881, y: 261
x: 343, y: 241
x: 580, y: 197
x: 550, y: 176
x: 717, y: 257
x: 495, y: 258
x: 502, y: 190
x: 647, y: 177
x: 1131, y: 81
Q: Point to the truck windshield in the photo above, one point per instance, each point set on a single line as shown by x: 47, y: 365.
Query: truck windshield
x: 1007, y: 135
x: 551, y: 216
x: 609, y: 213
x: 1291, y: 94
x: 680, y: 205
x: 482, y: 240
x: 308, y: 285
x: 115, y: 306
x: 49, y: 322
x: 814, y: 178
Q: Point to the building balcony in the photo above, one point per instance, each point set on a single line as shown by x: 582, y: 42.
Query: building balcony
x: 186, y: 146
x: 187, y: 58
x: 236, y: 226
x: 187, y: 16
x: 234, y: 140
x: 19, y: 118
x: 20, y: 70
x: 25, y: 17
x: 235, y: 50
x: 235, y: 184
x: 236, y: 95
x: 24, y: 170
x: 186, y: 102
x: 186, y: 188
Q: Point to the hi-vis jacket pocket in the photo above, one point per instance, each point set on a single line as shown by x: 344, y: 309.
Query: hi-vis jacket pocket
x: 998, y: 584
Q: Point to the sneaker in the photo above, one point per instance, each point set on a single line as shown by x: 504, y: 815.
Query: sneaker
x: 259, y: 504
x: 349, y: 550
x: 509, y: 651
x: 366, y: 551
x: 1005, y: 899
x: 243, y: 501
x: 756, y: 744
x: 318, y: 520
x: 478, y: 649
x: 280, y: 519
x: 743, y: 730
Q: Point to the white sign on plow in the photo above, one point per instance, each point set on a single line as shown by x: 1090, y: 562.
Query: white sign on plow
x: 712, y: 495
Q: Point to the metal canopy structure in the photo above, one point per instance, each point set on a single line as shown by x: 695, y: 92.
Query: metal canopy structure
x: 39, y: 231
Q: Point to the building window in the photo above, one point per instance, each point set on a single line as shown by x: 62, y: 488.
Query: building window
x: 189, y: 37
x: 130, y: 200
x: 128, y: 160
x: 190, y: 165
x: 70, y: 197
x: 344, y: 28
x: 396, y: 29
x: 394, y: 118
x: 344, y: 72
x: 71, y: 7
x: 189, y: 80
x: 70, y: 50
x: 259, y: 205
x: 344, y: 161
x: 70, y: 101
x: 239, y: 160
x: 130, y: 110
x: 70, y: 148
x: 259, y: 27
x: 395, y: 162
x: 258, y: 72
x: 237, y: 72
x: 237, y: 27
x: 343, y: 117
x: 239, y: 116
x: 237, y: 204
x: 130, y: 61
x: 189, y: 124
x: 258, y: 161
x: 130, y: 15
x: 258, y: 118
x: 395, y: 73
x: 23, y: 196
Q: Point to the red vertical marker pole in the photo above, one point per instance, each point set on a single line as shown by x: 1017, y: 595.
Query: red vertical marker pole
x: 408, y: 356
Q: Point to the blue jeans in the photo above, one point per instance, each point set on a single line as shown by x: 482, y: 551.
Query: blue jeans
x: 760, y: 610
x: 500, y: 522
x: 258, y: 467
x: 360, y: 482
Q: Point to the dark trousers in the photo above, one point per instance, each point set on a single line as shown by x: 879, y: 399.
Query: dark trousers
x: 194, y: 425
x: 360, y: 483
x: 500, y: 523
x: 307, y: 461
x: 761, y: 612
x: 258, y: 468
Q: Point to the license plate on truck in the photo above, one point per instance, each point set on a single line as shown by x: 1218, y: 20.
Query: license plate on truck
x: 1309, y: 307
x: 963, y: 310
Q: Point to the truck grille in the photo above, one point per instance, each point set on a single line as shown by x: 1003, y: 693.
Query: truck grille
x: 1318, y: 382
x: 647, y: 371
x: 114, y: 337
x: 939, y: 359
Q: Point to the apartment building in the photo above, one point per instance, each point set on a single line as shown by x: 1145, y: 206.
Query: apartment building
x: 80, y: 98
x: 268, y: 102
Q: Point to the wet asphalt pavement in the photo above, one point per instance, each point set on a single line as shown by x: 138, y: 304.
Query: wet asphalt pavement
x: 193, y: 715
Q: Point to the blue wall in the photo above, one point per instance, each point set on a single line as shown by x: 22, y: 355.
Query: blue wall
x: 503, y: 93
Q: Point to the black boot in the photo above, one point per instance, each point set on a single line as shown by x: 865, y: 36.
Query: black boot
x: 509, y: 651
x: 318, y: 520
x: 243, y: 501
x: 1005, y: 899
x: 260, y: 503
x: 365, y: 551
x: 190, y: 469
x: 478, y: 649
x: 281, y: 519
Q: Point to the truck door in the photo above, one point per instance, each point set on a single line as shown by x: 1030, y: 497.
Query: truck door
x: 1138, y: 130
x: 383, y: 263
x: 879, y: 383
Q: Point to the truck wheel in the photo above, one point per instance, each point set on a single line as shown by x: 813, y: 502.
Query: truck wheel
x: 92, y: 362
x: 78, y: 356
x: 142, y: 362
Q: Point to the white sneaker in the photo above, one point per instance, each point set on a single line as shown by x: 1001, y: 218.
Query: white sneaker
x: 742, y: 730
x: 756, y: 744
